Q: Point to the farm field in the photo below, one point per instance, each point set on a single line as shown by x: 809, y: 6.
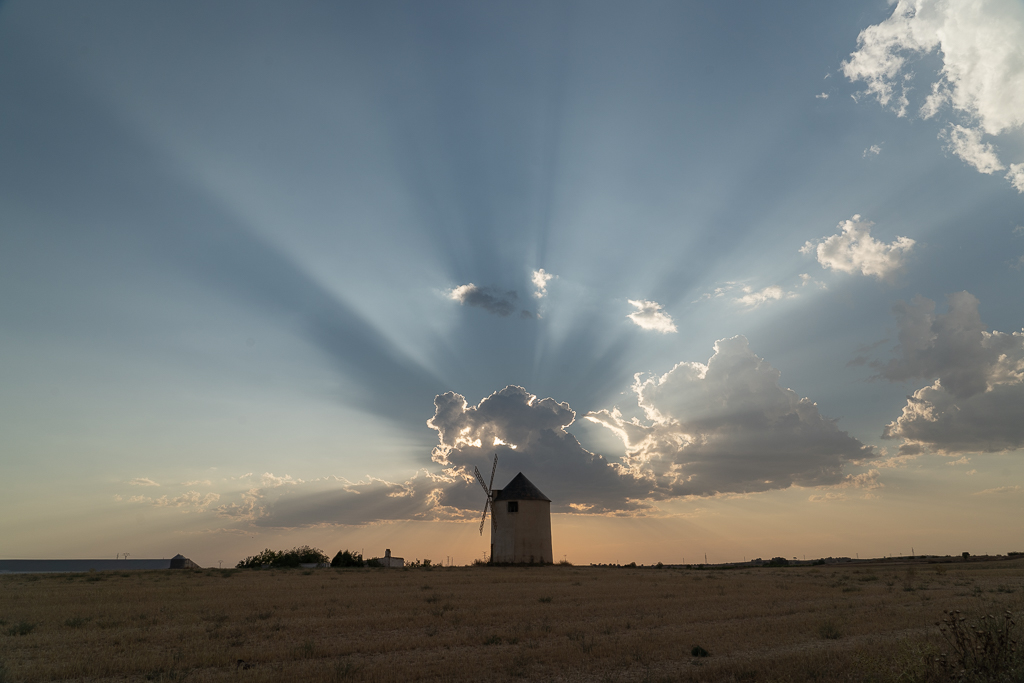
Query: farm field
x: 827, y: 623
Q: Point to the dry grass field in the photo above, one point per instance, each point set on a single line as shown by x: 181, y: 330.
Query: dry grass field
x: 825, y: 623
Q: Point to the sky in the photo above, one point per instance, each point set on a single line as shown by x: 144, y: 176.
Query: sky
x: 727, y: 279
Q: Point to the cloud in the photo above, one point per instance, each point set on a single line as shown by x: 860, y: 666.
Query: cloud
x: 999, y: 490
x: 822, y: 96
x: 143, y: 481
x: 753, y: 299
x: 529, y: 434
x: 981, y: 82
x: 197, y: 482
x: 976, y: 397
x: 873, y: 150
x: 649, y: 316
x: 823, y: 498
x: 953, y: 347
x: 269, y: 480
x: 193, y: 501
x: 540, y: 280
x: 855, y: 250
x: 725, y: 428
x: 806, y: 279
x: 492, y: 300
x: 728, y: 427
x: 966, y: 143
x: 1016, y: 177
x: 333, y: 500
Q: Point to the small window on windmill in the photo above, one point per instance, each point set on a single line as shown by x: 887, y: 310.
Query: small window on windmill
x: 513, y: 506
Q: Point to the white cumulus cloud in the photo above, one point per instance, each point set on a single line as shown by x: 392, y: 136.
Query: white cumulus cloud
x: 966, y: 143
x: 754, y: 298
x: 540, y: 280
x: 649, y: 316
x: 854, y: 250
x: 143, y: 481
x: 1016, y: 177
x: 981, y: 83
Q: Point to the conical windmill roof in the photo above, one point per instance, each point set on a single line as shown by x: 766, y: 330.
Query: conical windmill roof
x: 520, y: 488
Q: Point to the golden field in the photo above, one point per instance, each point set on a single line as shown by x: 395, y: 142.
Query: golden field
x: 824, y: 623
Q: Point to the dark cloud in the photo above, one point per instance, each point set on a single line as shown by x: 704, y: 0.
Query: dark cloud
x: 722, y: 428
x: 935, y: 420
x: 493, y: 300
x: 976, y: 401
x: 529, y: 435
x: 953, y: 347
x: 728, y: 427
x: 336, y: 501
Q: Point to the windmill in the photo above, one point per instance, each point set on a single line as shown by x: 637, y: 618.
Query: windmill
x: 487, y: 490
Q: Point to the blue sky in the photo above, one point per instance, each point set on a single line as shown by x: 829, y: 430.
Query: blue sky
x: 245, y: 248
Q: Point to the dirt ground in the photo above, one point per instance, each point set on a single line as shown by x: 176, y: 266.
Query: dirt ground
x: 832, y: 622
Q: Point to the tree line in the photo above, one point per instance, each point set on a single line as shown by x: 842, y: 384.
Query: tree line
x: 305, y: 555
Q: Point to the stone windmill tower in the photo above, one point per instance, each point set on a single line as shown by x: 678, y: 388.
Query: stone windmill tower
x: 520, y: 521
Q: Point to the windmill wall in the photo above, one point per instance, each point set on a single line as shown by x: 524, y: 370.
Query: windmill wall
x: 522, y: 536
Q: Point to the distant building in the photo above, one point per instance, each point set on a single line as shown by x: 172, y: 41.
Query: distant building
x: 521, y: 529
x: 391, y: 562
x: 54, y: 566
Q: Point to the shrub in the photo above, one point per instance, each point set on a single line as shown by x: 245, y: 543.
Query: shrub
x: 698, y: 651
x: 985, y: 648
x: 284, y: 558
x: 415, y: 564
x: 829, y: 631
x: 346, y: 558
x: 22, y: 628
x: 267, y: 557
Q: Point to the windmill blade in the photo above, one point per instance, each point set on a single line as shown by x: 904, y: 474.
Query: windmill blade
x: 494, y: 468
x: 484, y: 518
x: 480, y: 478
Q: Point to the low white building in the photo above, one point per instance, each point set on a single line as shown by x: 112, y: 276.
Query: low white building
x: 391, y: 562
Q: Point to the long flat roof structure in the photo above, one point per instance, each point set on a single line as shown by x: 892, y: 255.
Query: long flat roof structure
x: 55, y: 566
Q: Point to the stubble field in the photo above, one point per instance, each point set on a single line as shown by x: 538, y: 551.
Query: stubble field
x: 832, y: 622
